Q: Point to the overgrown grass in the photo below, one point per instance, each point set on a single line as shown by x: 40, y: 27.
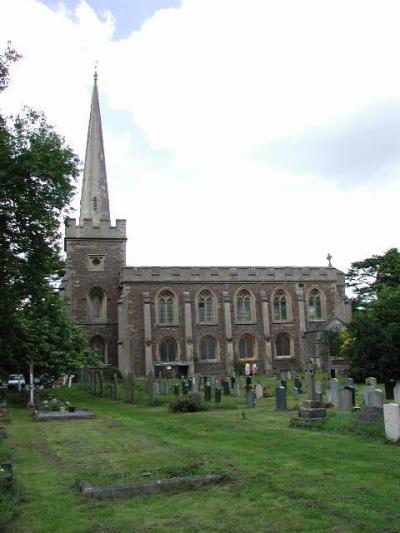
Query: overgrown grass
x: 281, y: 478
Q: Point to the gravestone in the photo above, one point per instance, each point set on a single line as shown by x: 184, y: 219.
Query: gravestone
x: 345, y: 401
x: 280, y: 398
x: 190, y: 384
x: 391, y: 413
x: 185, y: 388
x: 389, y: 389
x: 312, y: 408
x: 353, y: 393
x: 218, y: 394
x: 251, y: 398
x: 259, y: 391
x: 196, y: 396
x: 375, y: 398
x: 298, y: 384
x: 284, y: 383
x: 366, y: 390
x: 334, y: 391
x: 372, y: 382
x: 367, y: 415
x: 333, y: 373
x: 396, y: 394
x: 226, y: 388
x: 350, y: 382
x: 318, y: 386
x: 237, y: 389
x: 162, y: 388
x: 156, y: 388
x: 319, y: 396
x: 207, y: 392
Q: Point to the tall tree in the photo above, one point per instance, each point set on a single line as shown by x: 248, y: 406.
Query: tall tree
x: 37, y: 174
x: 373, y: 337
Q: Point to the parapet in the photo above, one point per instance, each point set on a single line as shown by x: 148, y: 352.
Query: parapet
x: 103, y: 230
x: 228, y: 274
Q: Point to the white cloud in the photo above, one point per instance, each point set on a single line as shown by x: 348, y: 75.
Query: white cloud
x: 211, y: 83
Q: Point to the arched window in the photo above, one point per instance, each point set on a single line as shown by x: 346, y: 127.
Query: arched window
x: 166, y: 313
x: 97, y: 304
x: 246, y: 347
x: 244, y: 306
x: 206, y: 307
x: 98, y: 345
x: 207, y: 348
x: 315, y: 305
x: 282, y: 345
x: 168, y: 350
x: 280, y: 305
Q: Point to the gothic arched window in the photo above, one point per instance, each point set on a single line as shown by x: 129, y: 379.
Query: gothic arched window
x: 206, y: 307
x: 280, y: 305
x: 166, y: 308
x: 168, y: 350
x: 207, y: 348
x: 282, y: 345
x: 315, y: 311
x: 244, y: 307
x: 246, y: 347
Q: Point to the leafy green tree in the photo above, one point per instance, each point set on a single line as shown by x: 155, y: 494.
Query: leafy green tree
x: 37, y: 174
x: 372, y: 343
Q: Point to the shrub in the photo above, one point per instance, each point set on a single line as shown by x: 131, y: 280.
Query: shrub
x: 186, y: 405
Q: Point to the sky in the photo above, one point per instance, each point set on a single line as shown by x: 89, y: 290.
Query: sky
x: 237, y: 132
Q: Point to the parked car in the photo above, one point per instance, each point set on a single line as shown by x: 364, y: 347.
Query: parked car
x: 15, y: 381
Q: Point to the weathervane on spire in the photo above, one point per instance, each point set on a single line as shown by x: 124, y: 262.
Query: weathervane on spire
x: 95, y: 75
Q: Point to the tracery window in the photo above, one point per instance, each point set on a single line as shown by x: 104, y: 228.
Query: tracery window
x: 166, y: 303
x: 244, y: 306
x: 207, y: 348
x: 280, y: 305
x: 315, y: 305
x: 206, y: 307
x: 246, y: 347
x: 282, y: 345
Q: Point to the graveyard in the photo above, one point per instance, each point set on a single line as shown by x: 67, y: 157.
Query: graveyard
x: 256, y: 467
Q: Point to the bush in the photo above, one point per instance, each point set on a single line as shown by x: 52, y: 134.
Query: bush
x: 186, y: 405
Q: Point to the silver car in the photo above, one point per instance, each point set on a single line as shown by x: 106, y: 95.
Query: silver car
x: 16, y: 381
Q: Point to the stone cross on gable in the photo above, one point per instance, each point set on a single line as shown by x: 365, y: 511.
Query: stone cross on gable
x: 329, y: 257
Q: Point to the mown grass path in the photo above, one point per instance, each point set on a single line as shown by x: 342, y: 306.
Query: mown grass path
x: 281, y: 478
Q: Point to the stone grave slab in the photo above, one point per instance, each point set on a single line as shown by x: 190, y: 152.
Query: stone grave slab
x: 78, y: 414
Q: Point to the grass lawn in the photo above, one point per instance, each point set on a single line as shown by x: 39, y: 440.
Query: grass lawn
x: 282, y: 478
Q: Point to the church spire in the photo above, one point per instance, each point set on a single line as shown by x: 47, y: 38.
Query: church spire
x: 94, y: 199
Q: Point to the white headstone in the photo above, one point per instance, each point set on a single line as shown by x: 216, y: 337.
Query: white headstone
x: 318, y: 386
x: 391, y: 413
x: 375, y: 398
x: 367, y: 389
x: 259, y: 391
x: 335, y: 398
x: 334, y: 384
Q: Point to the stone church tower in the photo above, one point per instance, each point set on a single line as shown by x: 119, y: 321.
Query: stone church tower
x: 186, y: 320
x: 95, y: 250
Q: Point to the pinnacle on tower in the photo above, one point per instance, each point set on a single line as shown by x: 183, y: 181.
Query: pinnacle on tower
x: 94, y: 199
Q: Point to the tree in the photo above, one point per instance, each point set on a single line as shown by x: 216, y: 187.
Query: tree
x: 372, y: 343
x: 37, y: 174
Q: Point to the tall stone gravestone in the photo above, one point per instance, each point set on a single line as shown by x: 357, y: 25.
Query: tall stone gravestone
x: 366, y: 390
x: 375, y: 398
x: 237, y: 389
x: 251, y: 398
x: 334, y: 391
x: 281, y: 398
x: 312, y: 408
x: 207, y: 392
x: 391, y: 413
x: 218, y: 393
x: 345, y: 401
x: 353, y: 393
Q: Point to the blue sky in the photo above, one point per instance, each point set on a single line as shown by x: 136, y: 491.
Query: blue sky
x: 237, y: 132
x: 129, y: 14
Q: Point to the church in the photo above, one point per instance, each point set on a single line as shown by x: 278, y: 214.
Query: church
x: 186, y: 320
